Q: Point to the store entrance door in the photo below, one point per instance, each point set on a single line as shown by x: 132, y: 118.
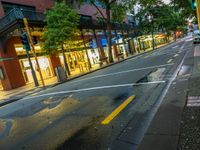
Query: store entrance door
x: 77, y: 62
x: 44, y: 66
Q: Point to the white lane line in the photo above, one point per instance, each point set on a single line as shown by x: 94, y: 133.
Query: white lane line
x: 192, y: 101
x: 197, y: 51
x: 189, y: 40
x: 169, y: 61
x: 156, y: 55
x: 121, y: 72
x: 95, y: 88
x: 175, y: 46
x: 176, y: 55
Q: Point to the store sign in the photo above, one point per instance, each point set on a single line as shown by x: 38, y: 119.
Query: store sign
x: 118, y: 37
x: 1, y: 74
x: 104, y: 42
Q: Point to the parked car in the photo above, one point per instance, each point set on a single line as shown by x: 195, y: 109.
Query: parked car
x: 196, y: 37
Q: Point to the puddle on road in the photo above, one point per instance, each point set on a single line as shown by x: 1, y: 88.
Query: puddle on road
x: 185, y: 70
x: 154, y: 75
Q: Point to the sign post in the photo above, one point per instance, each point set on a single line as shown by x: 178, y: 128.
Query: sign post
x: 32, y: 69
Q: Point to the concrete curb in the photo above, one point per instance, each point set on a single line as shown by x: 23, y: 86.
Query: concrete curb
x: 8, y: 101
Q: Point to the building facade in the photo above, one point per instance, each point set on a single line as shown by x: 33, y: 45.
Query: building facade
x: 14, y: 66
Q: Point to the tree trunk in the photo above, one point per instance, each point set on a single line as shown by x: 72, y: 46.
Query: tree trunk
x: 65, y: 62
x: 153, y: 42
x: 88, y: 59
x: 140, y: 46
x: 125, y: 48
x: 174, y: 35
x: 108, y: 24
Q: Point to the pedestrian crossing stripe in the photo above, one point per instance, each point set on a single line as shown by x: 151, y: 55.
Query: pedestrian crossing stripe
x: 193, y: 101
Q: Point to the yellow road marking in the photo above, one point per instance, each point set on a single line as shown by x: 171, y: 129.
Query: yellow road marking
x: 170, y: 60
x: 108, y: 119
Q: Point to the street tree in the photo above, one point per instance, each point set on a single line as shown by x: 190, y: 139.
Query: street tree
x: 184, y: 6
x: 163, y: 18
x: 61, y: 25
x: 115, y: 10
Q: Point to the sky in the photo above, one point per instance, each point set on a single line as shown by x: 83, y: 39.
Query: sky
x: 166, y: 1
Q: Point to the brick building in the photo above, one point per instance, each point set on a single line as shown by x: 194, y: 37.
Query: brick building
x: 14, y: 66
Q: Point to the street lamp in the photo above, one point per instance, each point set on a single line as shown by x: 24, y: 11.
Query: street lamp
x: 150, y: 18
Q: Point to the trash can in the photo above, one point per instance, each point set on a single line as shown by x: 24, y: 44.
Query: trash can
x: 60, y: 73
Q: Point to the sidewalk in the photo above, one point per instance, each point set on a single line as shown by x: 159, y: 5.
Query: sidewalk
x: 190, y: 124
x: 18, y: 93
x: 176, y: 125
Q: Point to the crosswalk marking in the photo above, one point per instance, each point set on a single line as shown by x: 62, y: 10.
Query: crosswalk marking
x: 193, y: 101
x: 197, y: 51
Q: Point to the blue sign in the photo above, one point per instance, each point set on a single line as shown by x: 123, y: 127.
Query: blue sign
x: 104, y: 42
x: 118, y: 37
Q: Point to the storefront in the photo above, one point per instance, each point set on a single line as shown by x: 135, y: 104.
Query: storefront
x: 77, y: 61
x: 93, y: 56
x: 43, y: 61
x: 121, y: 47
x: 44, y: 66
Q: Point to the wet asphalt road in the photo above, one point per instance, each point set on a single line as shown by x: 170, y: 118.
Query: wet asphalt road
x: 69, y: 115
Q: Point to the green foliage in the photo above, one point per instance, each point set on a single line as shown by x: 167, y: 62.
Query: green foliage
x: 184, y: 6
x: 164, y: 19
x: 116, y: 16
x: 62, y: 22
x: 118, y: 8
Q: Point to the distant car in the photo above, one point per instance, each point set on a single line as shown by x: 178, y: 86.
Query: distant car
x: 196, y: 38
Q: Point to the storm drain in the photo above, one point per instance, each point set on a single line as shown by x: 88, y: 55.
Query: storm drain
x: 193, y: 101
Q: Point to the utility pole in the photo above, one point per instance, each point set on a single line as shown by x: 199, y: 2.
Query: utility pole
x: 152, y: 35
x: 152, y: 30
x: 32, y: 70
x: 24, y: 40
x: 33, y: 48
